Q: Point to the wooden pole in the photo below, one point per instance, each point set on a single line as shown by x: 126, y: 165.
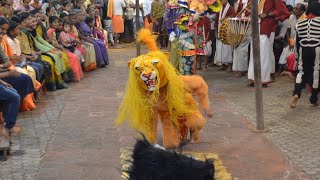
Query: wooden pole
x: 138, y: 25
x: 257, y: 64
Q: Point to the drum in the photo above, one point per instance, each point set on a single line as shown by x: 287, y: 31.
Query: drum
x: 233, y: 30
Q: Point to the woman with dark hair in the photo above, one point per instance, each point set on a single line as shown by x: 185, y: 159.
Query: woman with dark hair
x: 308, y: 48
x: 6, y: 9
x: 50, y: 11
x: 30, y: 54
x: 86, y: 34
x: 54, y: 7
x: 31, y: 41
x: 66, y: 6
x: 33, y: 69
x: 41, y: 26
x: 22, y: 83
x: 86, y: 48
x: 73, y: 60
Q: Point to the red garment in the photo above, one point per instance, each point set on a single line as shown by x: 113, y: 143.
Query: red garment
x: 269, y: 23
x: 239, y: 9
x: 284, y: 13
x: 79, y: 46
x: 205, y: 22
x: 279, y: 11
x: 230, y: 13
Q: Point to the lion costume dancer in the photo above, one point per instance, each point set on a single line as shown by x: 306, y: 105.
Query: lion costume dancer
x: 155, y: 89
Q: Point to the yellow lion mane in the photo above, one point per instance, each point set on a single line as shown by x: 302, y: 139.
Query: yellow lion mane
x: 138, y: 104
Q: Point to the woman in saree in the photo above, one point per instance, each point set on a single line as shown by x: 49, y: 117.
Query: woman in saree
x: 96, y: 25
x: 60, y: 58
x: 86, y: 48
x: 54, y: 22
x: 41, y: 29
x: 86, y: 35
x: 28, y: 46
x: 21, y: 66
x: 22, y: 83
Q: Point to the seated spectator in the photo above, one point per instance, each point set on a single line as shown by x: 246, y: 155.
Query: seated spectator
x: 30, y: 68
x: 79, y: 4
x: 50, y: 11
x: 85, y: 48
x: 6, y: 9
x: 41, y: 27
x: 25, y: 6
x: 68, y: 41
x: 22, y: 83
x: 96, y: 33
x: 66, y: 9
x: 36, y: 4
x: 9, y: 98
x: 99, y: 26
x: 87, y: 35
x: 8, y: 95
x: 31, y: 55
x: 54, y: 22
x: 54, y: 7
x: 33, y: 43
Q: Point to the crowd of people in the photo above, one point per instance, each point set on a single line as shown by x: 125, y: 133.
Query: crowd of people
x: 286, y: 47
x: 45, y: 45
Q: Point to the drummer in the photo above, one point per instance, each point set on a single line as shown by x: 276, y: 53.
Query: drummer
x: 223, y: 55
x: 240, y: 52
x: 269, y: 12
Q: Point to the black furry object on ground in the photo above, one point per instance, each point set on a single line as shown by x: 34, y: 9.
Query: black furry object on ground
x: 151, y: 163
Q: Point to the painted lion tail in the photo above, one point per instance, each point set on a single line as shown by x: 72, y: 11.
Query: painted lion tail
x: 146, y: 37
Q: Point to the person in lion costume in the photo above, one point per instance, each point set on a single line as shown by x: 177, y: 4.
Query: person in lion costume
x: 156, y: 90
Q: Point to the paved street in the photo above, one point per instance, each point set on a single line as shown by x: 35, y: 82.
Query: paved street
x: 71, y: 135
x: 295, y: 131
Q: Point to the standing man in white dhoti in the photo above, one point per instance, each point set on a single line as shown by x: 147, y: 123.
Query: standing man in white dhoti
x: 223, y: 55
x: 282, y: 17
x: 268, y: 11
x: 240, y: 52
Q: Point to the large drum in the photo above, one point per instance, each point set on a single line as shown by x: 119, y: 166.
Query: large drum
x: 233, y: 30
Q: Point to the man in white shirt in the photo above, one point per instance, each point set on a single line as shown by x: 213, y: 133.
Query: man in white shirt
x: 298, y: 12
x: 117, y: 20
x: 141, y: 14
x: 280, y: 44
x: 147, y: 7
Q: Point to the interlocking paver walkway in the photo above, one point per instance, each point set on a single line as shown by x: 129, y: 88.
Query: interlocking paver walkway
x: 295, y: 131
x: 71, y: 134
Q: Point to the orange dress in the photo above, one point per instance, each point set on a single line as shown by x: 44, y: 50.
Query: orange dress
x: 27, y: 103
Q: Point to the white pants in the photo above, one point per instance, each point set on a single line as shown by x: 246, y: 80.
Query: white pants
x: 217, y: 56
x: 223, y: 53
x: 264, y: 59
x: 240, y: 56
x: 272, y: 57
x: 284, y: 55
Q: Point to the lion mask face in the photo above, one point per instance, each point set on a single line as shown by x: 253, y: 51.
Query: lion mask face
x: 150, y: 72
